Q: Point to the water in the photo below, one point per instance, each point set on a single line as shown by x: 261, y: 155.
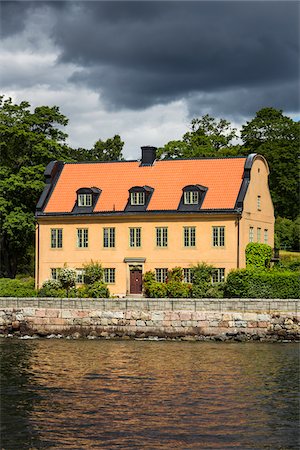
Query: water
x: 62, y: 394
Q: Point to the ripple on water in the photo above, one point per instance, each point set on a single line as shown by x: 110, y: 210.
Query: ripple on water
x: 148, y: 395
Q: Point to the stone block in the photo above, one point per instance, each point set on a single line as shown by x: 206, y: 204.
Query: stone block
x: 54, y: 312
x: 240, y: 323
x: 40, y: 312
x: 237, y: 316
x: 227, y: 316
x: 132, y: 323
x: 224, y: 324
x: 118, y: 315
x: 140, y: 323
x: 198, y: 315
x: 157, y: 315
x: 185, y: 315
x: 66, y: 314
x: 263, y: 317
x: 262, y: 324
x: 251, y: 324
x: 29, y: 312
x: 114, y: 321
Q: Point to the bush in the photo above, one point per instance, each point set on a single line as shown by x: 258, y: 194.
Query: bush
x: 245, y: 283
x: 52, y: 288
x: 95, y: 290
x: 67, y: 278
x: 258, y: 256
x: 177, y: 289
x: 156, y: 290
x: 93, y: 272
x: 17, y: 288
x: 175, y: 274
x: 202, y: 285
x: 287, y: 233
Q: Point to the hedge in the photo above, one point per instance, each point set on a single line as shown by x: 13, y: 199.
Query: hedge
x: 17, y: 287
x: 245, y: 283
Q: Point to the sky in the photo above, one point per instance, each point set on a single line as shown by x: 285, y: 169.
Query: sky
x: 143, y: 69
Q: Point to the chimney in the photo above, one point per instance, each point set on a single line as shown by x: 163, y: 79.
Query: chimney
x: 148, y: 155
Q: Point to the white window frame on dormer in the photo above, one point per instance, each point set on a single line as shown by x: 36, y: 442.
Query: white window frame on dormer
x: 84, y: 199
x: 137, y: 198
x: 191, y: 197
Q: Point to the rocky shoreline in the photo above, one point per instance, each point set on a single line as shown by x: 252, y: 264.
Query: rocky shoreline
x: 185, y: 320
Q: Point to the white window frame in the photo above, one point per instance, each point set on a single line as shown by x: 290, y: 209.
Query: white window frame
x: 161, y: 274
x: 191, y: 197
x: 84, y: 199
x: 218, y: 275
x: 80, y: 276
x: 109, y: 275
x: 187, y: 275
x: 218, y: 236
x: 135, y: 235
x: 54, y: 273
x: 258, y: 203
x: 266, y: 236
x: 82, y: 237
x: 56, y: 238
x: 109, y: 237
x: 189, y: 236
x: 137, y: 198
x: 161, y: 237
x: 258, y: 234
x: 251, y: 234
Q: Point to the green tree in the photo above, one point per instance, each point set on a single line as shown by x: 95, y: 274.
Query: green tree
x: 109, y: 150
x: 28, y: 142
x: 276, y: 137
x: 207, y: 137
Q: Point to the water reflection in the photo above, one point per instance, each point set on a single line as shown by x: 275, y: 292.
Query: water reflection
x: 155, y: 395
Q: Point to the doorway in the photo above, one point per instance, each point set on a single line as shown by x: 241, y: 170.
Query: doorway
x: 136, y: 280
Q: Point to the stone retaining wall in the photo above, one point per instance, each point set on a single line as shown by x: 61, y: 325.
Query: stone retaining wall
x: 192, y: 319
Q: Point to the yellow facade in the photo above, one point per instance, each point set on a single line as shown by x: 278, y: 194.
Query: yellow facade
x: 257, y: 212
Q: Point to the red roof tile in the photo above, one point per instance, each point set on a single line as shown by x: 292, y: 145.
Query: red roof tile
x: 223, y: 178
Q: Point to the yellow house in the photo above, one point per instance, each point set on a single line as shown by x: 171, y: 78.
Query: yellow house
x: 135, y: 216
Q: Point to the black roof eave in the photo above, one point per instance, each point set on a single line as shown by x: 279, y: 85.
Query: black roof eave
x: 235, y: 211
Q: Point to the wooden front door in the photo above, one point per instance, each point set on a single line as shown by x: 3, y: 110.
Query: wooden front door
x: 136, y: 283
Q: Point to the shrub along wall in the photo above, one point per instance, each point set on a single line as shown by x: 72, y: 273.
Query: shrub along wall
x: 245, y: 283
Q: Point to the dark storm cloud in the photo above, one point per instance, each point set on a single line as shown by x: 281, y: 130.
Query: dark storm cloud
x: 139, y: 54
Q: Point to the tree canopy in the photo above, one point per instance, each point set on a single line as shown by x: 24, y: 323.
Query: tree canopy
x: 28, y: 142
x: 207, y: 137
x: 276, y: 137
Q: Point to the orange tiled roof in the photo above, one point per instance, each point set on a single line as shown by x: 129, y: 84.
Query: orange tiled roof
x: 222, y: 177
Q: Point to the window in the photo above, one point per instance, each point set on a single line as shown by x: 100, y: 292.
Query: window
x: 137, y: 198
x: 266, y: 237
x: 191, y: 197
x: 218, y: 275
x: 251, y: 234
x: 108, y: 237
x: 187, y: 275
x: 162, y: 237
x: 189, y: 236
x: 258, y: 202
x: 218, y: 236
x: 54, y: 273
x: 56, y: 237
x: 258, y: 234
x: 109, y: 276
x: 82, y: 237
x: 79, y: 275
x: 84, y: 199
x: 135, y: 237
x: 161, y: 275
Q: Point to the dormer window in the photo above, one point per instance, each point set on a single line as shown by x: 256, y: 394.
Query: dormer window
x: 84, y: 199
x: 137, y: 198
x: 191, y: 197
